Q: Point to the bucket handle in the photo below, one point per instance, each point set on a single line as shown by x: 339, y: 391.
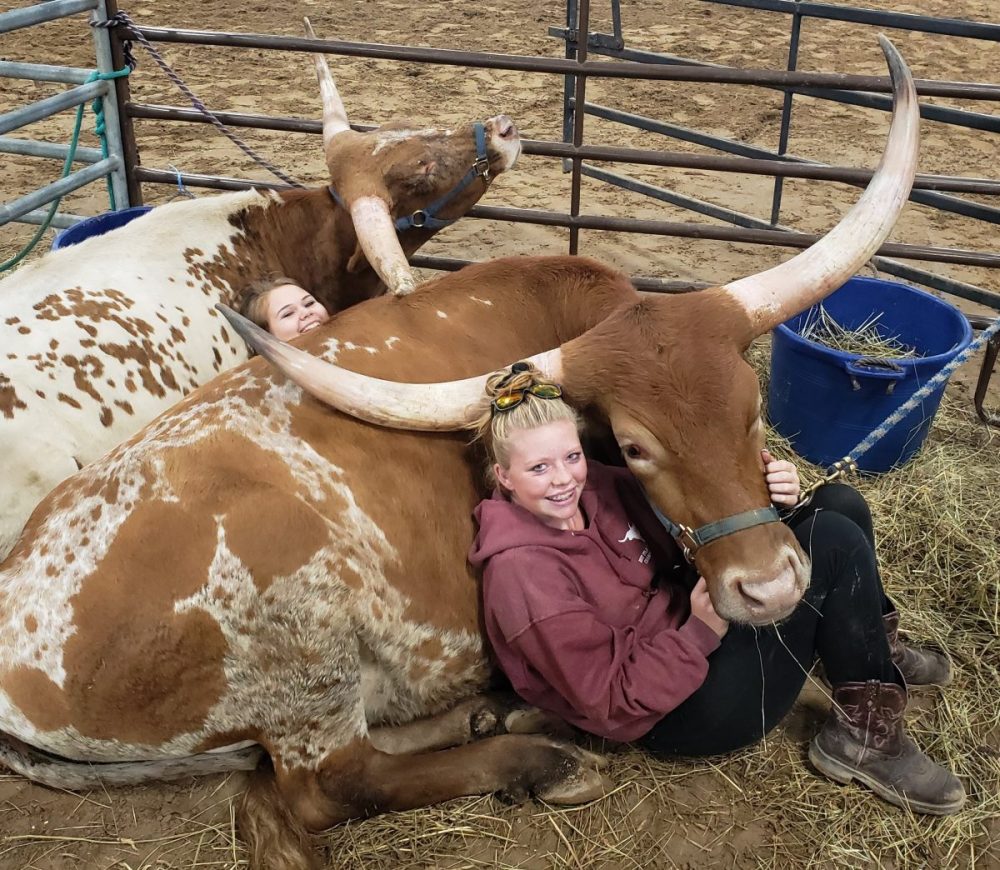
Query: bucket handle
x: 874, y: 367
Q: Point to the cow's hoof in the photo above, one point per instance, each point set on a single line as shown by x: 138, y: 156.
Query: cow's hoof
x: 585, y: 785
x: 484, y: 722
x: 531, y: 720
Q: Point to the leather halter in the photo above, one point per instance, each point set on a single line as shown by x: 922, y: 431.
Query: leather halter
x: 426, y: 218
x: 691, y: 540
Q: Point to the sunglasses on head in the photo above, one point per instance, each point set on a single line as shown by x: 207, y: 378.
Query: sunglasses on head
x: 515, y: 397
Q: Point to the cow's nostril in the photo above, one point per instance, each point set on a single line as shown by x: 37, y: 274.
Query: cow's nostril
x: 745, y: 590
x: 505, y: 127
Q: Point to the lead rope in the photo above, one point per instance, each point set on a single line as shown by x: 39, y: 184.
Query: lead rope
x: 123, y: 19
x: 850, y: 462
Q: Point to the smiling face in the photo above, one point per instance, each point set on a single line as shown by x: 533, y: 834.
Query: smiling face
x: 292, y: 311
x: 546, y: 473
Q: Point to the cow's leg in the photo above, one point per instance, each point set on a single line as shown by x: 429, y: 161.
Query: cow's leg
x: 482, y: 716
x: 359, y: 780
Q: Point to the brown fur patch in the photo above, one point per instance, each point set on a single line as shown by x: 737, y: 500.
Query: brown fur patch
x: 137, y: 671
x: 9, y: 402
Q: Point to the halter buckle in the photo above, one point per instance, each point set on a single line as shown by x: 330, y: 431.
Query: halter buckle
x: 482, y: 167
x: 687, y: 541
x: 418, y: 218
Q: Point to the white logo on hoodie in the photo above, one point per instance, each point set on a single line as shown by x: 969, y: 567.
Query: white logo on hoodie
x: 631, y: 535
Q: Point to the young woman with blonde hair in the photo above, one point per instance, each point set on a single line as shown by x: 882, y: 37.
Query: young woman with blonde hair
x: 594, y: 616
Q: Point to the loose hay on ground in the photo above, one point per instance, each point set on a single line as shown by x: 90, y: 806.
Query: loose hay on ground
x: 937, y: 520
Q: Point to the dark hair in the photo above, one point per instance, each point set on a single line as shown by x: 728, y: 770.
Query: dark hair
x: 494, y: 429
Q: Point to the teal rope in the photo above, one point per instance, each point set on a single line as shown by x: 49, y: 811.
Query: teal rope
x: 921, y: 394
x: 97, y: 106
x: 100, y: 126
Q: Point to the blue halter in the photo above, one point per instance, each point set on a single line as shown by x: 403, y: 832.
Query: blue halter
x: 691, y: 540
x: 426, y: 218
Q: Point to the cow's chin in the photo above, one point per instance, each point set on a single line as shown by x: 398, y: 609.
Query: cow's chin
x: 762, y: 600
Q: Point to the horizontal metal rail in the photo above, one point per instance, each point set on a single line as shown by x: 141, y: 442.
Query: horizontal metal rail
x: 943, y: 202
x: 60, y: 220
x: 893, y: 267
x: 564, y: 150
x: 489, y: 60
x: 13, y: 210
x: 41, y: 12
x: 32, y: 148
x: 942, y: 114
x: 898, y: 20
x: 781, y: 238
x: 43, y: 72
x: 51, y: 105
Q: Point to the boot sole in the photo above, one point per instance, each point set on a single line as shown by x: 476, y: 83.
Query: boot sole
x: 839, y: 772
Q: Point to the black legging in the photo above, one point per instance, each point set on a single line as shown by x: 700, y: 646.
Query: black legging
x: 756, y: 674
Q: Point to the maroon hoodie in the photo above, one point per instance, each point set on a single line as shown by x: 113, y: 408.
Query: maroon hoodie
x: 573, y: 620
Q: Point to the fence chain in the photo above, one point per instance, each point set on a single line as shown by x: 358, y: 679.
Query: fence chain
x: 123, y: 19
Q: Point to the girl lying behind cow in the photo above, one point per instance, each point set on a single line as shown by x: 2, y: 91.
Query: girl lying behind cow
x: 594, y: 616
x: 279, y: 305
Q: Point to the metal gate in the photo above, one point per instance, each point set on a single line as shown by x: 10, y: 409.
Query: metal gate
x: 95, y: 86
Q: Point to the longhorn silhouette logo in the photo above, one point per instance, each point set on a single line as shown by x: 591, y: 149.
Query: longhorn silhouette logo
x: 631, y: 535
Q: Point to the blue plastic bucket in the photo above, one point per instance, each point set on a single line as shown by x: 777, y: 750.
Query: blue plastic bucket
x: 826, y: 401
x: 97, y: 226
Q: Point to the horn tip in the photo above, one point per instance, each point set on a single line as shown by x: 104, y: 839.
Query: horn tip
x: 308, y: 27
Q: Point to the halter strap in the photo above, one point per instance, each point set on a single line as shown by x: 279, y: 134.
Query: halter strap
x: 426, y: 218
x: 691, y: 540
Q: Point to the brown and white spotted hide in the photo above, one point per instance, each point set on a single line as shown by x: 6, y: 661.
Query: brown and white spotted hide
x: 98, y: 338
x: 254, y: 566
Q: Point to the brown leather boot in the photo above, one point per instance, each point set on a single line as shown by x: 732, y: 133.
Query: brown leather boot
x: 863, y: 739
x: 919, y: 667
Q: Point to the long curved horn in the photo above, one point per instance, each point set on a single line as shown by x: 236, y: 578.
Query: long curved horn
x: 377, y: 235
x: 334, y: 113
x: 773, y: 296
x: 440, y: 407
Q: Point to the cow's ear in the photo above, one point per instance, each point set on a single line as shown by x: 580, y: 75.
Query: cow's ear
x: 354, y: 172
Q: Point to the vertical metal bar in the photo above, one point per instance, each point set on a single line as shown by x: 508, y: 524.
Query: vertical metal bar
x: 112, y: 117
x: 616, y: 20
x: 786, y: 111
x: 123, y: 94
x: 569, y: 82
x: 580, y: 99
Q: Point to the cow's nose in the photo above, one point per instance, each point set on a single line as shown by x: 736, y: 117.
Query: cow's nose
x: 505, y: 127
x: 775, y: 598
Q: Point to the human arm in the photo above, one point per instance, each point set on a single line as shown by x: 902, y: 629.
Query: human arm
x: 782, y: 480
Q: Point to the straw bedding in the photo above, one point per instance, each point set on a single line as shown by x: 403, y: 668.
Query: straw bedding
x: 937, y: 521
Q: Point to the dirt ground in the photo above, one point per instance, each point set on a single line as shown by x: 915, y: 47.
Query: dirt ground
x: 189, y: 825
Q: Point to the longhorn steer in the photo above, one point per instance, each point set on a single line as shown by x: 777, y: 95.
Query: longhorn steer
x: 258, y: 565
x: 99, y: 338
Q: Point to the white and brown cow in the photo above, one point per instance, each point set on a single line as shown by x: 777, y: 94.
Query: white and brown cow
x: 99, y: 338
x: 282, y: 560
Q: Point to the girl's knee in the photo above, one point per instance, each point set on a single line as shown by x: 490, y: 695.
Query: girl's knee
x: 843, y: 499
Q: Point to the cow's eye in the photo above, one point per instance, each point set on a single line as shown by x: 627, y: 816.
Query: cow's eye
x: 632, y: 451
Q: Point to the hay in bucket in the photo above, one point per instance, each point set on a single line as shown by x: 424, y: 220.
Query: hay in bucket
x: 867, y: 339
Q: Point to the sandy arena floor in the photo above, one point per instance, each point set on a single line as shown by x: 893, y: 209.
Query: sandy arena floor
x: 721, y: 804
